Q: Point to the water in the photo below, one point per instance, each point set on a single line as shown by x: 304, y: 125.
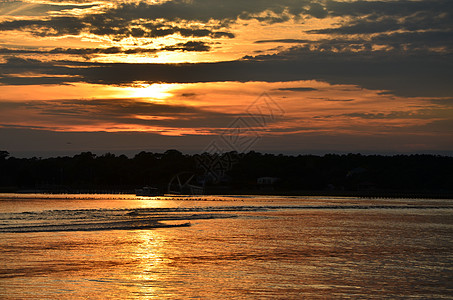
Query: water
x: 212, y: 247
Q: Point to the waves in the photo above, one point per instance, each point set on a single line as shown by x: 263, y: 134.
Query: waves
x: 151, y: 224
x: 150, y: 218
x: 100, y: 219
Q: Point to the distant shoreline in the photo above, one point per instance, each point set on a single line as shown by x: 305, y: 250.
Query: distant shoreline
x: 352, y: 194
x: 252, y: 173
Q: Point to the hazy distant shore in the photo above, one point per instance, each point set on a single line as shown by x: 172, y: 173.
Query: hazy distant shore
x: 232, y: 192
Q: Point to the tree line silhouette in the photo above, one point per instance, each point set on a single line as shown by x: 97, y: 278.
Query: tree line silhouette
x: 331, y: 173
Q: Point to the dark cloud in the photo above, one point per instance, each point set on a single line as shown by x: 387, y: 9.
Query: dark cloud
x: 277, y: 11
x: 130, y: 112
x: 225, y: 11
x: 17, y: 126
x: 284, y: 41
x: 188, y: 46
x: 298, y: 89
x: 317, y: 10
x: 395, y: 25
x: 196, y: 46
x: 20, y: 8
x: 408, y: 41
x: 77, y: 51
x: 398, y: 24
x: 116, y: 27
x: 363, y: 26
x: 428, y: 114
x: 205, y: 10
x: 14, y: 80
x: 374, y: 24
x: 387, y: 8
x: 340, y: 100
x: 402, y: 41
x: 140, y: 19
x: 50, y: 72
x: 54, y: 26
x: 414, y: 74
x: 189, y: 95
x: 415, y: 22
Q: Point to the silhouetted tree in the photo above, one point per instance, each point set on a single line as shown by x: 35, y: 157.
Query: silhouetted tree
x: 3, y: 154
x: 351, y: 172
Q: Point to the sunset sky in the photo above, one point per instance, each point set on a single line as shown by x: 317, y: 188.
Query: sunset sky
x: 288, y: 76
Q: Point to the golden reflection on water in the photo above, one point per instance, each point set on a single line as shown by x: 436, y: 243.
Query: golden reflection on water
x: 149, y: 261
x: 324, y: 253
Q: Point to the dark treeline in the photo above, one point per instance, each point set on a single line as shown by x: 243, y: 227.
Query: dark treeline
x: 230, y: 173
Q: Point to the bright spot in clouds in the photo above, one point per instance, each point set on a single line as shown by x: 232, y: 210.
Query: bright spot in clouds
x: 151, y: 91
x: 188, y: 69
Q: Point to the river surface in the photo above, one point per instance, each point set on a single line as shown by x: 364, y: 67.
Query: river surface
x: 218, y: 247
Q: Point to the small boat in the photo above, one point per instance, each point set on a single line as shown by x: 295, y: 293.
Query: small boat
x: 147, y: 191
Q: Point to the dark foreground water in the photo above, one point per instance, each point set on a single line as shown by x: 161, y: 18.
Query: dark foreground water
x: 124, y: 247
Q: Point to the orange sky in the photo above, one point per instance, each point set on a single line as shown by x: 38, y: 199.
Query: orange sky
x: 339, y: 70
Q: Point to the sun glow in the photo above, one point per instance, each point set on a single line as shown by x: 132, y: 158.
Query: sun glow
x: 152, y: 91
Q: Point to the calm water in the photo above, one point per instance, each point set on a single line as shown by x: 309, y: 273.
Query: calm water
x: 124, y: 247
